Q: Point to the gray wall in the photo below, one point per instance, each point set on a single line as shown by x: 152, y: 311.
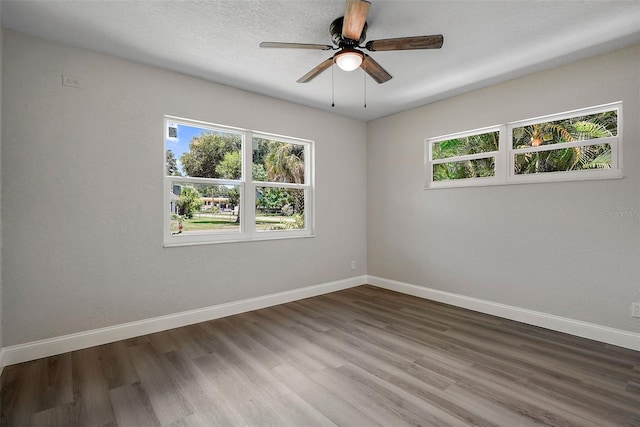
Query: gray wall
x: 545, y: 247
x: 1, y: 50
x: 82, y: 195
x: 82, y: 199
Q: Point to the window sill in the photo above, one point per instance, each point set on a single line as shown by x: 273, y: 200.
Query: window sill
x: 523, y: 179
x: 239, y: 240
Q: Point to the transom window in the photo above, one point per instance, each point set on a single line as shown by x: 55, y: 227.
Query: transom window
x: 462, y: 156
x: 577, y: 145
x: 225, y: 184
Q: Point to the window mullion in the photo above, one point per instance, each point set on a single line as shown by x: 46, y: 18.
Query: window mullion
x: 560, y: 146
x: 615, y: 148
x: 498, y: 157
x: 248, y: 207
x: 506, y: 146
x: 428, y: 165
x: 485, y: 155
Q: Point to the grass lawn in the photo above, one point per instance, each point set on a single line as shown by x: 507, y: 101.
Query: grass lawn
x: 226, y: 222
x: 207, y: 222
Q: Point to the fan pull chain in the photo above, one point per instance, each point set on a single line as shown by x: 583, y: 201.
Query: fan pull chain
x: 333, y: 92
x: 365, y: 88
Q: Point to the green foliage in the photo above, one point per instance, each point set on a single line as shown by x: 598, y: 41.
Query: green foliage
x: 590, y: 130
x: 601, y: 160
x: 271, y: 199
x: 284, y: 201
x: 296, y: 224
x: 277, y: 161
x: 189, y: 202
x: 260, y: 149
x: 466, y: 169
x: 207, y: 151
x: 474, y: 144
x: 258, y: 172
x: 283, y: 162
x: 231, y: 166
x: 581, y: 128
x: 171, y: 164
x: 214, y: 155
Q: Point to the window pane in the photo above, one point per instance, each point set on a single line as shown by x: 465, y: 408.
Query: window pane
x: 566, y: 159
x: 580, y: 128
x: 204, y: 208
x: 276, y: 161
x: 205, y: 153
x: 474, y: 144
x: 279, y: 208
x: 467, y: 169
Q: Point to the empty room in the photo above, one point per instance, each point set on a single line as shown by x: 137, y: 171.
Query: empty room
x: 323, y: 212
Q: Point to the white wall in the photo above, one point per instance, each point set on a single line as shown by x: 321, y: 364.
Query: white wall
x: 82, y: 195
x: 545, y: 247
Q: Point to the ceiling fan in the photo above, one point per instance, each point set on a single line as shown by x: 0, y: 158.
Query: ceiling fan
x: 348, y: 33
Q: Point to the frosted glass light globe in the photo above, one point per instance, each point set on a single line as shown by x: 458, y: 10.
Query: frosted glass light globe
x: 349, y: 60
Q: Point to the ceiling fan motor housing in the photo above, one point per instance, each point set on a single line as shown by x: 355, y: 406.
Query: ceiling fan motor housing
x: 335, y: 29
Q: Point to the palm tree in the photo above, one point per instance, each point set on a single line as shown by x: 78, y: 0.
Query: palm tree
x: 473, y: 144
x: 284, y: 162
x: 569, y: 130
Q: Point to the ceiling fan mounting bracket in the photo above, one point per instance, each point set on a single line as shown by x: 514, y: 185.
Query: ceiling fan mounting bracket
x: 335, y: 29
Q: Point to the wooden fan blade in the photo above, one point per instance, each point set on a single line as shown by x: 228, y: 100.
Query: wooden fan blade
x: 355, y: 16
x: 407, y: 43
x: 317, y: 70
x: 375, y: 70
x: 296, y: 45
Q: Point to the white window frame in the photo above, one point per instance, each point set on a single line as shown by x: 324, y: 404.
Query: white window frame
x: 247, y: 190
x: 468, y: 182
x: 505, y: 156
x: 578, y: 175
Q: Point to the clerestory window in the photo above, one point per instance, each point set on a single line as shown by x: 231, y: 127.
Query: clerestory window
x: 577, y: 145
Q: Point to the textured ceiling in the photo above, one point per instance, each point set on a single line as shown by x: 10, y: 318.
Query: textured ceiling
x: 485, y: 42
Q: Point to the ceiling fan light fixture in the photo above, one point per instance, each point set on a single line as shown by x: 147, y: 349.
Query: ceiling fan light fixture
x: 348, y: 33
x: 349, y: 60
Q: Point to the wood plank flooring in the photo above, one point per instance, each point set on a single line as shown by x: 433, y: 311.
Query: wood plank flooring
x: 359, y: 357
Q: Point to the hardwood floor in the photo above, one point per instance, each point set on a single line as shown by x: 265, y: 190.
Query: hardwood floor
x: 359, y: 357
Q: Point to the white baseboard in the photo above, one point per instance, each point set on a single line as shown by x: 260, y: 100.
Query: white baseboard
x: 592, y: 331
x: 52, y: 346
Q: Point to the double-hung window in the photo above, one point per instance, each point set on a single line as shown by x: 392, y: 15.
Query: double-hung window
x: 577, y: 145
x: 226, y: 184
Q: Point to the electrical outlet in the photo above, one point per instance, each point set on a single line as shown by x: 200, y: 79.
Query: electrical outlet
x: 353, y: 264
x: 635, y: 309
x: 71, y: 81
